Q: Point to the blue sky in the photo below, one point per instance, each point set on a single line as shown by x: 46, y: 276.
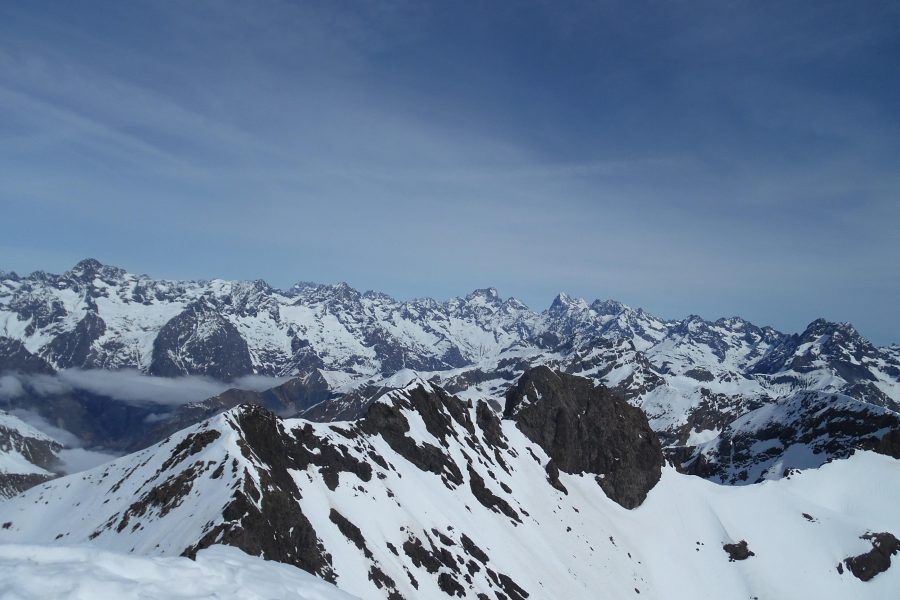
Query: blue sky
x: 716, y: 158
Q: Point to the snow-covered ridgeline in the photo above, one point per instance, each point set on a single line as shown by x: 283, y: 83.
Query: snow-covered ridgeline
x: 479, y: 513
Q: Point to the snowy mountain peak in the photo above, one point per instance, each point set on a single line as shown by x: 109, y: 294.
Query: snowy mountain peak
x: 88, y: 269
x: 821, y: 327
x: 489, y: 295
x: 564, y: 303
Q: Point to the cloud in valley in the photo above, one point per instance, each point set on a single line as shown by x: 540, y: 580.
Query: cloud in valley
x: 129, y: 385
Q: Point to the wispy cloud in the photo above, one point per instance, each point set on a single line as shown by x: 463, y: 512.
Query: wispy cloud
x: 699, y: 157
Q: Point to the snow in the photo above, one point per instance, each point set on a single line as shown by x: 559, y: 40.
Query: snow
x: 699, y: 437
x: 86, y: 573
x: 15, y: 435
x: 12, y: 462
x: 565, y: 546
x: 13, y: 423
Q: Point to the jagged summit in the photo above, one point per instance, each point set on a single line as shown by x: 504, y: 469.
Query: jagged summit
x: 563, y: 302
x: 490, y: 295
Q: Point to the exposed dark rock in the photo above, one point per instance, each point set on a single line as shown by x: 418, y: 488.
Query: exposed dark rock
x: 829, y: 426
x: 553, y: 477
x: 74, y: 348
x: 190, y: 445
x: 511, y: 588
x: 450, y: 586
x: 39, y: 451
x: 14, y: 483
x: 877, y: 560
x: 489, y: 424
x: 700, y: 374
x: 200, y: 341
x: 388, y: 420
x: 486, y: 497
x: 738, y: 551
x: 889, y: 444
x: 421, y: 556
x: 473, y: 550
x: 163, y: 497
x: 348, y: 407
x: 352, y: 533
x: 584, y: 428
x: 14, y: 357
x: 278, y: 529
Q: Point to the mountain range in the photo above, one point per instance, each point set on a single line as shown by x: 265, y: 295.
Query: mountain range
x: 464, y: 448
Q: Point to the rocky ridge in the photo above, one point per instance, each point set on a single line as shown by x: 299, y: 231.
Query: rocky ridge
x: 692, y: 377
x: 431, y: 495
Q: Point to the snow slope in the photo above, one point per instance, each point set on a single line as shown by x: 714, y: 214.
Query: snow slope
x: 86, y: 573
x: 431, y: 497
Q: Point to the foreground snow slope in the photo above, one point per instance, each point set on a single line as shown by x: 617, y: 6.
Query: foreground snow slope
x: 429, y: 497
x: 85, y: 573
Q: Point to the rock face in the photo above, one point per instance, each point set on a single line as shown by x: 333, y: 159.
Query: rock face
x: 201, y: 340
x: 586, y: 428
x: 75, y: 349
x: 264, y: 517
x: 877, y: 560
x: 27, y: 456
x: 802, y: 430
x: 15, y: 357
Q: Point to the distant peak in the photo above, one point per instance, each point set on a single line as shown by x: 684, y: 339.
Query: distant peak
x: 341, y: 291
x: 376, y: 295
x: 515, y: 303
x: 301, y: 286
x: 822, y: 326
x: 86, y: 264
x: 89, y: 268
x: 486, y: 293
x: 564, y: 302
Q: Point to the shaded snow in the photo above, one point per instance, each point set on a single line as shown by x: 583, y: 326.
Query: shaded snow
x: 86, y: 573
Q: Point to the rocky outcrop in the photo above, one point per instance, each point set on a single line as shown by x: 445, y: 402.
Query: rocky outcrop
x: 877, y: 560
x: 200, y: 341
x: 76, y: 348
x: 764, y: 442
x: 34, y: 456
x: 889, y: 444
x: 587, y: 429
x: 267, y: 521
x: 14, y: 357
x: 738, y: 551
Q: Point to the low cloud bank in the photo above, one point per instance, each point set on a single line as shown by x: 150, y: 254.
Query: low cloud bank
x: 129, y: 385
